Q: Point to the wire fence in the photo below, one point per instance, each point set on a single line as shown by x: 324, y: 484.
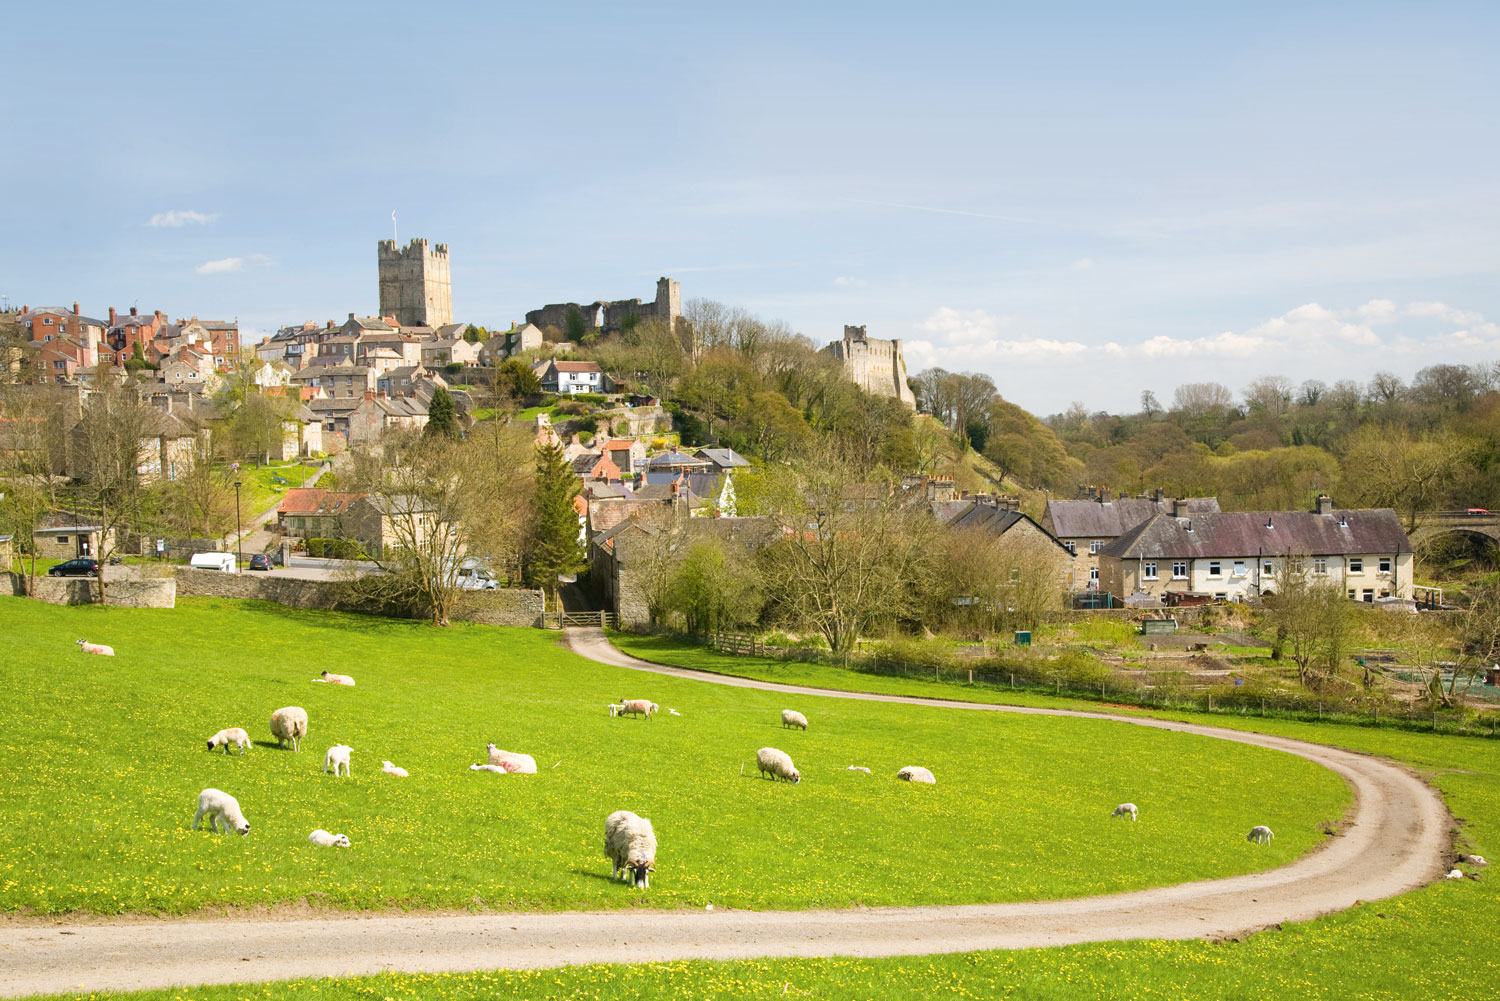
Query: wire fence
x: 1080, y: 677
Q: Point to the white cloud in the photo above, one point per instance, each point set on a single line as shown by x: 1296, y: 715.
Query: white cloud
x: 1443, y: 311
x: 1082, y: 264
x: 177, y: 218
x: 226, y: 265
x: 844, y: 281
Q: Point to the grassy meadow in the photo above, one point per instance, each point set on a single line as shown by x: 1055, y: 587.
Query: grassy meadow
x: 107, y: 758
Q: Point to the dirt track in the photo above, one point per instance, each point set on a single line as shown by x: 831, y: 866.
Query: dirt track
x: 1397, y: 839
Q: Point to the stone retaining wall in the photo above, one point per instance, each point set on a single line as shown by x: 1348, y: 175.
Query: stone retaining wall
x: 158, y: 592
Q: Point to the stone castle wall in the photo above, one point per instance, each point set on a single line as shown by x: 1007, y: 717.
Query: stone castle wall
x: 876, y: 366
x: 415, y: 283
x: 609, y: 316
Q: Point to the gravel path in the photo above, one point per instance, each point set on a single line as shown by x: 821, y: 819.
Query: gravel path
x: 1397, y: 839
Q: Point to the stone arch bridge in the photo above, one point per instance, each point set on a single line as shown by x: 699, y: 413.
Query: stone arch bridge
x: 1477, y: 524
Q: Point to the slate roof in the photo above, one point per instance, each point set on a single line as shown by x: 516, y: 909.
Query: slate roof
x: 1371, y: 531
x: 724, y: 458
x: 667, y: 460
x: 1091, y: 519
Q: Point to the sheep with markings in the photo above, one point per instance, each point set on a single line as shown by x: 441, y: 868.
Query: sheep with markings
x: 233, y: 736
x: 637, y: 707
x: 791, y: 717
x: 630, y: 844
x: 96, y: 648
x: 1260, y: 834
x: 337, y: 757
x: 222, y: 810
x: 336, y: 679
x: 289, y: 723
x: 777, y: 764
x: 511, y: 761
x: 1125, y: 810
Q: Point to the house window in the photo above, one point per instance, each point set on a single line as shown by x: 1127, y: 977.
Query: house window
x: 1148, y: 571
x: 1352, y: 594
x: 1239, y: 568
x: 1093, y: 575
x: 1295, y: 566
x: 1221, y: 595
x: 1356, y: 565
x: 1320, y: 564
x: 62, y: 540
x: 1215, y: 568
x: 1071, y: 547
x: 1385, y: 564
x: 1265, y: 567
x: 1369, y: 594
x: 1094, y: 547
x: 1179, y: 570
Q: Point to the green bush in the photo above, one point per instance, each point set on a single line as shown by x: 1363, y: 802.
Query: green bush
x: 593, y: 399
x: 335, y: 549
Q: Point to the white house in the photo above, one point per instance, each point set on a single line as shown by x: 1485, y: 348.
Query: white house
x: 573, y: 377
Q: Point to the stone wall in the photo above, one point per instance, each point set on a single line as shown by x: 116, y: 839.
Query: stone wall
x: 876, y: 366
x: 177, y: 547
x: 508, y: 607
x: 158, y: 592
x: 609, y: 316
x: 415, y: 283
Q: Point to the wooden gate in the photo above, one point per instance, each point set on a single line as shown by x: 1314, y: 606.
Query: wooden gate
x: 581, y: 619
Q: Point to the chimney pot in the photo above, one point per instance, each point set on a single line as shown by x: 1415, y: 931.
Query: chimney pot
x: 133, y: 311
x: 75, y: 307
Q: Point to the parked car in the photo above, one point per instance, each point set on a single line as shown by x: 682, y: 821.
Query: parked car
x: 477, y: 579
x: 260, y: 561
x: 85, y: 566
x: 1477, y: 510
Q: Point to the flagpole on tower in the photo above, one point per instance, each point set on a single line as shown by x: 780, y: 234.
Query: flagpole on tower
x: 394, y: 235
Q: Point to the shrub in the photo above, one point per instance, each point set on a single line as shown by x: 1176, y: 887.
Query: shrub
x: 593, y: 399
x: 587, y: 425
x: 622, y: 429
x: 335, y: 549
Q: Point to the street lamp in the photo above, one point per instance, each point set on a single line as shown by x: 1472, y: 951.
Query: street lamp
x: 239, y: 532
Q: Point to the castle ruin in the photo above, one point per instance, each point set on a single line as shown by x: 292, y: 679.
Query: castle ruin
x: 609, y: 317
x: 414, y: 283
x: 876, y: 366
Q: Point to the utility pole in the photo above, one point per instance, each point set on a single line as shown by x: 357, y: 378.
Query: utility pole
x: 239, y: 532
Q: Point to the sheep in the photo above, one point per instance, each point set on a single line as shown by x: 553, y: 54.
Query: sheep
x: 289, y: 723
x: 916, y: 773
x: 857, y: 768
x: 791, y: 717
x: 777, y: 764
x: 97, y: 648
x: 1125, y: 810
x: 222, y: 810
x: 338, y: 757
x: 630, y: 844
x: 1473, y: 859
x: 322, y: 837
x: 637, y: 707
x: 233, y: 735
x: 511, y: 761
x: 1260, y: 834
x: 336, y: 679
x: 497, y: 769
x: 615, y: 708
x: 1455, y: 874
x: 673, y: 712
x: 391, y: 769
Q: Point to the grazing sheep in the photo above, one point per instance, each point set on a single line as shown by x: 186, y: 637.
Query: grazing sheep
x: 637, y: 707
x: 1260, y: 834
x: 336, y: 679
x: 615, y: 708
x: 857, y: 768
x: 916, y: 773
x: 1455, y: 874
x: 777, y: 764
x: 791, y: 717
x: 497, y: 769
x: 233, y: 735
x: 222, y: 810
x: 391, y: 769
x: 1473, y: 859
x: 1125, y: 810
x: 511, y: 761
x: 289, y: 723
x: 322, y: 837
x: 338, y: 757
x: 673, y: 712
x: 630, y: 844
x: 98, y: 648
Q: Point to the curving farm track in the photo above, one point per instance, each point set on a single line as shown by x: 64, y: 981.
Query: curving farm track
x: 1397, y: 839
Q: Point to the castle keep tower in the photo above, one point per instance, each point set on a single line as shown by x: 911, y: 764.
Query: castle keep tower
x: 874, y: 365
x: 414, y: 283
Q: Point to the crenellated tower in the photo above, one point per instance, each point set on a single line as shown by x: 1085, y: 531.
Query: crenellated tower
x: 415, y: 286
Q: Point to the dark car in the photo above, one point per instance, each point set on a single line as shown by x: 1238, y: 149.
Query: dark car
x: 260, y: 561
x: 82, y: 567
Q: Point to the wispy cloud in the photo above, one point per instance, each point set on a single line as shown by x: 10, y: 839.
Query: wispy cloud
x: 177, y: 218
x: 844, y: 281
x: 226, y: 265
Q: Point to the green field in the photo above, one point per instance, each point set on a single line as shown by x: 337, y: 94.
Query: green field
x: 111, y: 754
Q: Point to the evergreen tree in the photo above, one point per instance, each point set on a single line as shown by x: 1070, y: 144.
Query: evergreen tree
x: 442, y: 417
x: 555, y: 547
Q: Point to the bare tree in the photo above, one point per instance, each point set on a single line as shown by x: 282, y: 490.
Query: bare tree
x: 1270, y: 395
x: 1195, y: 400
x: 114, y: 442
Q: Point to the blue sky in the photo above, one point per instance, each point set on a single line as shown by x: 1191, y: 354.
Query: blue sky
x: 1082, y: 200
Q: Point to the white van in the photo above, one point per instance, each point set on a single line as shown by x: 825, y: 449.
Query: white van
x: 214, y: 561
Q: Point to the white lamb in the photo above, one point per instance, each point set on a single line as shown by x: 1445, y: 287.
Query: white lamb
x: 916, y: 773
x: 222, y: 810
x: 289, y: 724
x: 337, y: 756
x: 497, y: 769
x: 791, y: 717
x: 858, y: 768
x: 512, y: 761
x: 637, y: 707
x: 233, y: 735
x: 336, y: 679
x: 777, y: 764
x: 1478, y: 860
x: 1260, y: 834
x: 630, y: 844
x: 1125, y: 810
x: 615, y: 708
x: 1455, y: 874
x: 97, y: 648
x: 391, y: 769
x: 322, y: 837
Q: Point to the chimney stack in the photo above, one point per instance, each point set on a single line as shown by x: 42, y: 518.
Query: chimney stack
x: 111, y: 316
x: 1325, y: 504
x: 1158, y: 495
x: 1104, y: 495
x: 75, y: 307
x: 1178, y: 507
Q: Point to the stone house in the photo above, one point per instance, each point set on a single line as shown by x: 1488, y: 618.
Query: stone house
x: 342, y: 381
x: 1086, y: 526
x: 64, y: 540
x: 628, y: 454
x: 450, y: 351
x: 1001, y: 519
x: 1241, y: 555
x: 81, y: 337
x: 369, y: 420
x: 315, y: 513
x: 503, y: 344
